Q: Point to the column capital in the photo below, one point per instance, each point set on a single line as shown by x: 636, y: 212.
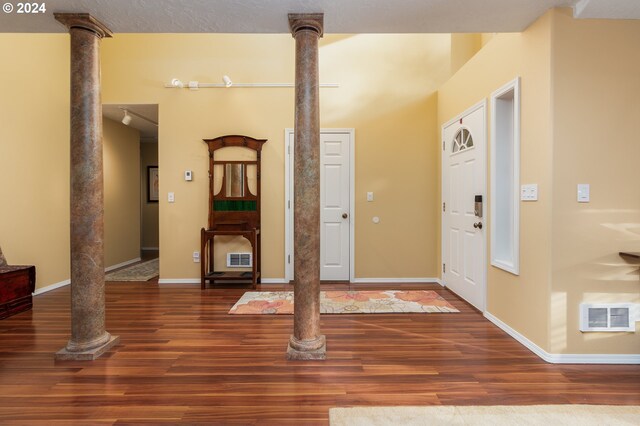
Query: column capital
x: 85, y: 21
x: 306, y: 21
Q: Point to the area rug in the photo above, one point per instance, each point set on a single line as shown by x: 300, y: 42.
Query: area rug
x: 547, y: 415
x: 345, y: 302
x: 139, y: 272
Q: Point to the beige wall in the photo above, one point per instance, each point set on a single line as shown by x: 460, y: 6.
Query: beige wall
x: 596, y: 87
x: 34, y: 153
x: 121, y: 158
x: 521, y: 301
x: 149, y: 218
x: 463, y: 47
x: 386, y: 94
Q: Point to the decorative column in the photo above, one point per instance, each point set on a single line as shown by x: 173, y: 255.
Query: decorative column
x: 89, y: 339
x: 307, y: 343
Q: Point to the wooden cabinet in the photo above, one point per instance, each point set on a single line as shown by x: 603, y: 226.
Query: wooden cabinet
x: 234, y: 206
x: 17, y: 283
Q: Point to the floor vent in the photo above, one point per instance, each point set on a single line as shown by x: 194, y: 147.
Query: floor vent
x: 607, y: 317
x: 239, y: 260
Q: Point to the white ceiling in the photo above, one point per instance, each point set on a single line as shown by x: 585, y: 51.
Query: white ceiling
x: 341, y: 16
x: 148, y: 130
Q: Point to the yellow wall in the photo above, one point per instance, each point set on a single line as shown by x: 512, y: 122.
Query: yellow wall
x: 463, y: 47
x: 121, y: 158
x: 149, y: 217
x: 596, y: 87
x: 386, y: 94
x: 522, y: 301
x: 34, y: 153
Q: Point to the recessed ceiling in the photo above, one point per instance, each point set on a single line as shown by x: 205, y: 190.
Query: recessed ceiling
x: 341, y: 16
x: 148, y: 130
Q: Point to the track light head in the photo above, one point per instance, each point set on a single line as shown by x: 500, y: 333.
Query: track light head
x: 127, y: 118
x: 227, y: 81
x: 177, y: 83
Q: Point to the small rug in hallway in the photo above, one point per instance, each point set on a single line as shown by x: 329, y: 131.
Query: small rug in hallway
x: 139, y: 272
x: 546, y: 415
x: 346, y: 302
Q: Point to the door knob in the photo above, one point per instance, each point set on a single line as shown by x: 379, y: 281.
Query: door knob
x: 344, y: 215
x: 477, y: 225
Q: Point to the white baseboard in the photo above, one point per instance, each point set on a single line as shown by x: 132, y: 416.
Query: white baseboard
x: 564, y: 358
x: 396, y: 280
x: 273, y: 281
x: 68, y: 281
x: 122, y: 264
x: 179, y: 281
x: 51, y: 287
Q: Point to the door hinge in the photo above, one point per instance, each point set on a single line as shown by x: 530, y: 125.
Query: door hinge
x: 289, y: 149
x: 444, y: 207
x: 443, y: 145
x: 289, y: 204
x: 289, y: 258
x: 444, y: 268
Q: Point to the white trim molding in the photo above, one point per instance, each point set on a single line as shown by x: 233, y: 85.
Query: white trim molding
x: 179, y: 281
x: 396, y: 280
x: 273, y: 281
x: 564, y: 358
x: 68, y: 281
x: 51, y: 287
x: 511, y: 131
x: 122, y: 264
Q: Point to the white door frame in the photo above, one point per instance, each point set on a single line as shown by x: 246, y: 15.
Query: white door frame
x: 288, y: 201
x: 485, y: 219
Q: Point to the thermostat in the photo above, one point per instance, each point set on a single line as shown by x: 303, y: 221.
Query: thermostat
x: 188, y: 176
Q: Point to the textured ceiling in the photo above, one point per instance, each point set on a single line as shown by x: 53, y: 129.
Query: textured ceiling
x: 341, y: 16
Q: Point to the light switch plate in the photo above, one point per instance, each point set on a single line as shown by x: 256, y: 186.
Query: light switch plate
x: 584, y: 193
x: 529, y: 192
x: 171, y: 197
x: 369, y: 196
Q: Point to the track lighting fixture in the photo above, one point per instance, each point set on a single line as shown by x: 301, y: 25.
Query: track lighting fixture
x: 177, y: 83
x: 227, y: 81
x: 127, y: 118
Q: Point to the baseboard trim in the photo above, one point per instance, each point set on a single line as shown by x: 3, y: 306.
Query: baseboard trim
x: 123, y: 264
x: 564, y: 358
x: 68, y: 281
x: 179, y: 281
x: 51, y: 287
x: 395, y: 280
x: 150, y: 248
x: 273, y: 281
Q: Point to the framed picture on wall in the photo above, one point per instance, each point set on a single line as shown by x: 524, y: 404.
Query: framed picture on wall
x: 153, y: 188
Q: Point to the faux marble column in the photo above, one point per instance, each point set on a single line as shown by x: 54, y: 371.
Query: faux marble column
x: 307, y: 343
x: 89, y: 339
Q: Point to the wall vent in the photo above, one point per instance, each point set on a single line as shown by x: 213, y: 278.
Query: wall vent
x: 239, y: 260
x: 607, y: 317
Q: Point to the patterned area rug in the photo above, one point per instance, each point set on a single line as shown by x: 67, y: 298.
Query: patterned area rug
x: 498, y: 415
x: 139, y: 272
x: 345, y: 302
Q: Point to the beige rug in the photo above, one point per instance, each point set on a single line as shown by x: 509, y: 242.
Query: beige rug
x: 139, y: 272
x: 547, y: 415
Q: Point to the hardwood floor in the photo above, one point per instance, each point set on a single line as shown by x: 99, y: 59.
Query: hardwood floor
x: 182, y: 359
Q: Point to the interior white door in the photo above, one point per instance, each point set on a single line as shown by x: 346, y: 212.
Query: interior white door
x: 336, y: 212
x: 463, y: 180
x: 334, y: 206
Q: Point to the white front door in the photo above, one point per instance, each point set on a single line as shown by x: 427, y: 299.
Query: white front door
x: 464, y: 227
x: 334, y: 206
x: 336, y: 210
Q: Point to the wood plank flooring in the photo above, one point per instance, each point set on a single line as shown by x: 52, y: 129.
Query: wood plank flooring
x: 182, y: 359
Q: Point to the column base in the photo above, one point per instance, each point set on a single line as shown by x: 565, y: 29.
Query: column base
x: 89, y: 355
x: 307, y: 350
